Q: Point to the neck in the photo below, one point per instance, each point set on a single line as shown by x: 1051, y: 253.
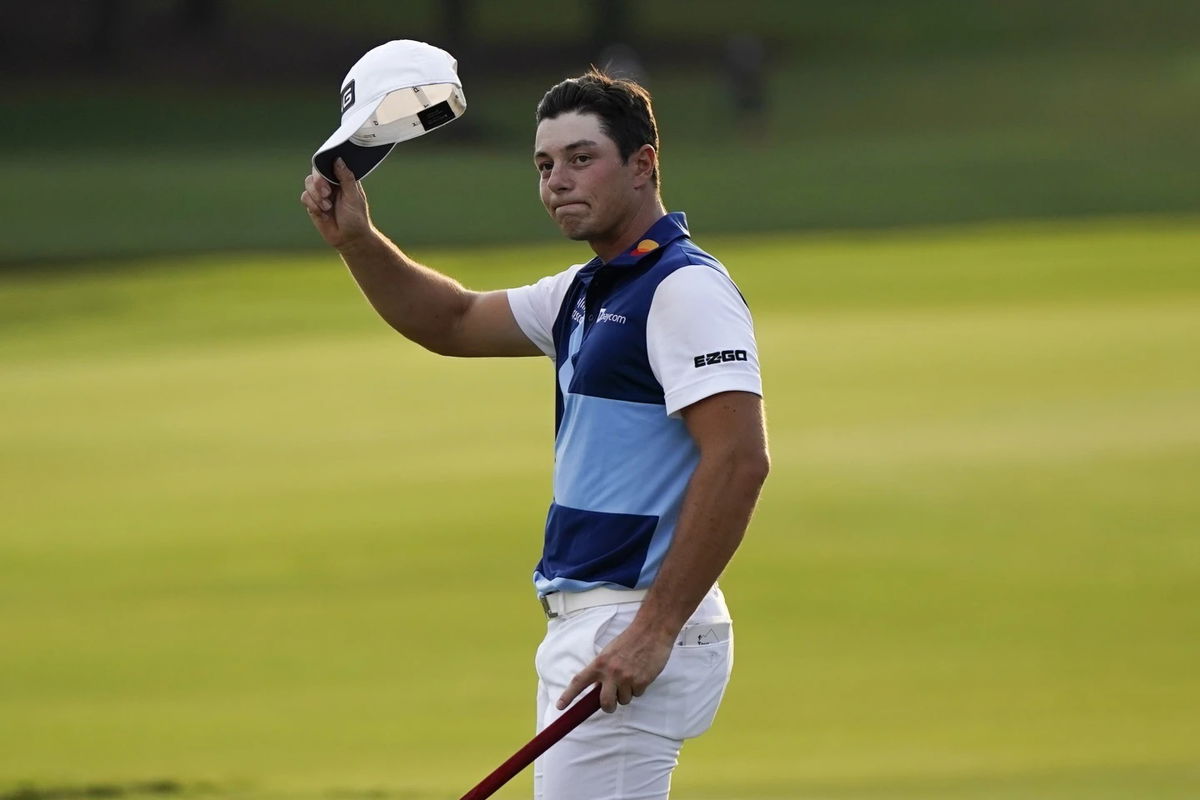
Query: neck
x: 630, y: 231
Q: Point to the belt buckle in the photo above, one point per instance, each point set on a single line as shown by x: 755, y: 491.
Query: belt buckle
x: 546, y: 607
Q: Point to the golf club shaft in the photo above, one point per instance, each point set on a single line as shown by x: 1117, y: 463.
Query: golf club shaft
x: 539, y: 744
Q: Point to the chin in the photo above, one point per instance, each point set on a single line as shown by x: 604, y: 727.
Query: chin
x: 576, y: 232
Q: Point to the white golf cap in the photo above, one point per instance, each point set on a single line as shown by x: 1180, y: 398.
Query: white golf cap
x: 397, y: 91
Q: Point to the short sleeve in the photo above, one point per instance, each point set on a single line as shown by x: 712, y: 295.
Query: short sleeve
x: 536, y: 306
x: 700, y: 337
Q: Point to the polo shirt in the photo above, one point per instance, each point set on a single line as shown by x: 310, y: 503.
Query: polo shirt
x: 633, y: 341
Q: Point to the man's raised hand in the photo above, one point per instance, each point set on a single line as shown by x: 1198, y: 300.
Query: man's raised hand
x: 339, y: 213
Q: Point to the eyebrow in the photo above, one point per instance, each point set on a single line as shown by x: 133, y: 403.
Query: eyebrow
x: 571, y: 146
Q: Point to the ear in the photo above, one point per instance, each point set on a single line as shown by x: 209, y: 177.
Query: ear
x: 644, y: 161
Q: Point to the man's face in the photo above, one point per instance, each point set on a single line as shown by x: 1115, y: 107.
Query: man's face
x: 583, y: 183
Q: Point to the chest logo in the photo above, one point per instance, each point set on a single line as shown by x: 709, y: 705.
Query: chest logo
x: 605, y: 316
x: 643, y: 247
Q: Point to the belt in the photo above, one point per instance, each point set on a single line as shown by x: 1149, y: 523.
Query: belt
x: 559, y: 604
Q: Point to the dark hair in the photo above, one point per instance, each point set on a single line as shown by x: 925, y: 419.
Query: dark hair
x: 622, y: 105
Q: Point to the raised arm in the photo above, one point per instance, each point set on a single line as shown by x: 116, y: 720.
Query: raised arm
x: 429, y: 308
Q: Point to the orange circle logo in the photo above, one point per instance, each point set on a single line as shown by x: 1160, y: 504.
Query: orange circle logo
x: 643, y: 247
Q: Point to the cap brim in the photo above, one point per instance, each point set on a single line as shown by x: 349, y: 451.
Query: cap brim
x: 361, y: 160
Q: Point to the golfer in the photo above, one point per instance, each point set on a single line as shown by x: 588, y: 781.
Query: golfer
x: 660, y: 447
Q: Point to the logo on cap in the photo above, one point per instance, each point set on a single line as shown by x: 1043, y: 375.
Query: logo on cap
x: 347, y: 96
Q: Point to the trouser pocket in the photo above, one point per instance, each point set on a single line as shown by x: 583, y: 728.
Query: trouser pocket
x: 703, y: 673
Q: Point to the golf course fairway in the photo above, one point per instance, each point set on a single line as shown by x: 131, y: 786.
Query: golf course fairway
x: 256, y: 545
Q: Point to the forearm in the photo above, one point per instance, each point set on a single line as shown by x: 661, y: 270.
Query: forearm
x: 716, y: 511
x: 423, y: 305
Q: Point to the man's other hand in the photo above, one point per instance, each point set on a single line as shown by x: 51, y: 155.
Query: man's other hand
x: 625, y: 668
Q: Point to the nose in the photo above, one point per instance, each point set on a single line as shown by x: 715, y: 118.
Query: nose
x: 558, y: 180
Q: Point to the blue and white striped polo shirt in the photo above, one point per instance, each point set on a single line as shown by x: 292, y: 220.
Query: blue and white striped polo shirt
x: 633, y: 341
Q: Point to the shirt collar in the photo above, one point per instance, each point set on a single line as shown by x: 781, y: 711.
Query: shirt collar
x: 668, y: 228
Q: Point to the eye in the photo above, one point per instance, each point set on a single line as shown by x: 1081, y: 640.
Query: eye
x: 544, y: 167
x: 582, y: 158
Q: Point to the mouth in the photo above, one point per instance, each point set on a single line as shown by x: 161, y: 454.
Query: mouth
x: 570, y: 207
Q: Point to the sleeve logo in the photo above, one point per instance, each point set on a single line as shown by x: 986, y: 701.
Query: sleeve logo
x: 719, y: 357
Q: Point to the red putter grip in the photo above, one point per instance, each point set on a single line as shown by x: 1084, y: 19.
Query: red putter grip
x: 539, y: 744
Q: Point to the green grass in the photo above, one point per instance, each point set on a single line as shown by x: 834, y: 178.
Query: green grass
x: 255, y: 544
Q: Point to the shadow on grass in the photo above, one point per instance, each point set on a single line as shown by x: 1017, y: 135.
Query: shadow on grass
x: 173, y: 788
x: 154, y: 788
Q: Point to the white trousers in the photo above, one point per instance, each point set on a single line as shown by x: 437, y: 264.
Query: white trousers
x: 631, y: 753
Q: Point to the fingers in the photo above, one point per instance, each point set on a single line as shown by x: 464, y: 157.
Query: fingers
x: 613, y: 692
x: 342, y: 171
x: 345, y: 177
x: 311, y: 205
x: 608, y: 696
x: 317, y: 182
x: 316, y: 196
x: 577, y: 685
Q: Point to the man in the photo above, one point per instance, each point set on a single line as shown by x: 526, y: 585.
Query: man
x: 660, y: 448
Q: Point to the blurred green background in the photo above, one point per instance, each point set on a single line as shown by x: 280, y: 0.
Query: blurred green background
x: 170, y: 138
x: 253, y: 545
